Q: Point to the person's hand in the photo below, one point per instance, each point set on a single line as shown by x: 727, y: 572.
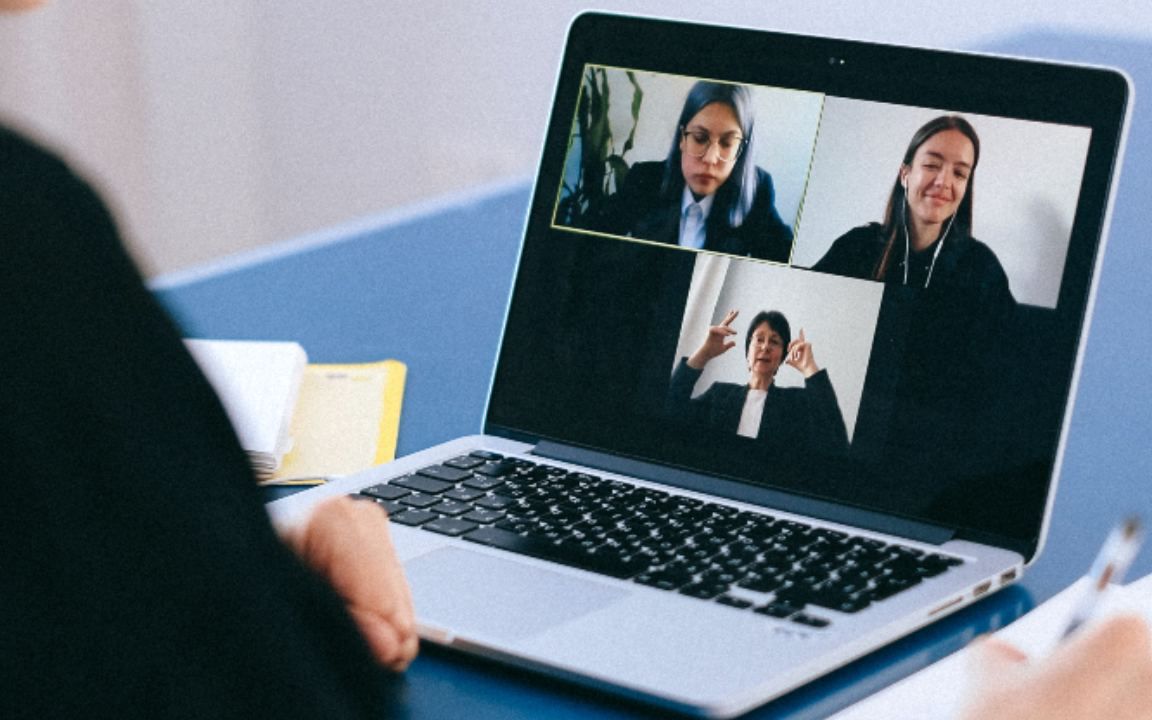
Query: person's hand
x: 347, y: 542
x: 800, y: 356
x: 716, y: 343
x: 1104, y: 671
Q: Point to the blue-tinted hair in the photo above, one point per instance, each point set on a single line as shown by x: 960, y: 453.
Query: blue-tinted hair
x: 733, y: 198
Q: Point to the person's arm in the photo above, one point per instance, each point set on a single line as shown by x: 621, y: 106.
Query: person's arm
x: 1104, y: 673
x: 679, y: 401
x: 826, y: 430
x: 347, y: 542
x: 716, y: 343
x: 776, y: 235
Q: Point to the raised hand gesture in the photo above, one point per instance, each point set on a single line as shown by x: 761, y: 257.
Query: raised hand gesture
x: 716, y: 343
x: 800, y: 356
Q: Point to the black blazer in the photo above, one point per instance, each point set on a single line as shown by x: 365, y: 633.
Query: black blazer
x: 141, y: 576
x: 794, y: 419
x: 640, y: 210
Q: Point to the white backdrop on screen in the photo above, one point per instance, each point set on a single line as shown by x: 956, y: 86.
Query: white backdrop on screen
x: 838, y: 316
x: 1025, y: 186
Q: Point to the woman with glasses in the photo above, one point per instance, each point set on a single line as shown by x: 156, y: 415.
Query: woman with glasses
x: 708, y: 193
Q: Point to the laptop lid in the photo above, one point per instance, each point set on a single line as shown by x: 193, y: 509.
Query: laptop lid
x: 898, y: 244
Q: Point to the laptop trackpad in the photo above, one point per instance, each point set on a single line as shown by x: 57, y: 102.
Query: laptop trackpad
x: 475, y: 594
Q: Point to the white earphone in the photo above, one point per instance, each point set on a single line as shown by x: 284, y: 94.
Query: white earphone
x: 907, y: 242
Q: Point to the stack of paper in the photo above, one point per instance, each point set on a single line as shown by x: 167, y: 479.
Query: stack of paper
x: 258, y: 383
x: 304, y: 423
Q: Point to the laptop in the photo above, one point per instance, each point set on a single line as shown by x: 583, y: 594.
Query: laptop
x: 778, y: 384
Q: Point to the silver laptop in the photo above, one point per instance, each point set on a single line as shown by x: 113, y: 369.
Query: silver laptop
x: 777, y: 385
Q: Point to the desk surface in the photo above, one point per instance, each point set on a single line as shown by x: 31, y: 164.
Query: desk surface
x: 429, y: 287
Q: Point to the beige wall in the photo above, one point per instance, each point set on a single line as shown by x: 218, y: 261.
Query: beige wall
x: 217, y: 126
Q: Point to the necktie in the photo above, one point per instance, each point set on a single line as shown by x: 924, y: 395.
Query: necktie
x: 692, y: 231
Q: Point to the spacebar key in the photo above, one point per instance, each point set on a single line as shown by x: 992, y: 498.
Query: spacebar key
x: 605, y: 564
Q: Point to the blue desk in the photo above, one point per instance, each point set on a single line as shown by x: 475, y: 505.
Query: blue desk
x: 429, y: 287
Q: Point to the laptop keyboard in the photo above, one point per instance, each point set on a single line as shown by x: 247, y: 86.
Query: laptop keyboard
x: 714, y: 552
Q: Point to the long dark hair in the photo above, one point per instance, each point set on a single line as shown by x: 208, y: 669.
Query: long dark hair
x: 894, y: 214
x: 733, y: 198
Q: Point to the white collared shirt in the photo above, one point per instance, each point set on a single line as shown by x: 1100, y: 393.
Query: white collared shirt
x: 693, y: 221
x: 752, y: 413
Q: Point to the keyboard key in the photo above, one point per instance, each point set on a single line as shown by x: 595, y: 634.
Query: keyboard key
x: 447, y: 474
x: 419, y: 501
x: 484, y: 517
x: 385, y: 492
x: 735, y: 602
x: 604, y: 564
x: 810, y: 620
x: 703, y: 590
x: 464, y: 494
x: 451, y: 507
x: 449, y: 526
x: 778, y: 609
x: 422, y: 484
x: 464, y: 462
x: 486, y: 455
x: 500, y: 468
x: 482, y: 482
x: 414, y: 517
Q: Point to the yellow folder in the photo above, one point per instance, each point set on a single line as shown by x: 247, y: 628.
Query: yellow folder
x: 347, y: 419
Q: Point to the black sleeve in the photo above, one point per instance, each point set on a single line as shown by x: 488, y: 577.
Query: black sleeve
x: 679, y: 402
x: 141, y: 577
x: 853, y: 254
x: 773, y: 237
x: 823, y: 418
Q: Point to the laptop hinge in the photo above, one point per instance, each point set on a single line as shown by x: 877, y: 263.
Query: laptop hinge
x: 743, y: 492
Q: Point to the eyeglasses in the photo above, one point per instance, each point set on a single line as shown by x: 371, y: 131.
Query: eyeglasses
x: 697, y: 142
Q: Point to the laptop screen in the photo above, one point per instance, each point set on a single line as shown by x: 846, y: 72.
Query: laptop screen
x: 843, y: 271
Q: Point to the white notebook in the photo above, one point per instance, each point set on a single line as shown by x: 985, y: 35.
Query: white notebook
x: 258, y: 383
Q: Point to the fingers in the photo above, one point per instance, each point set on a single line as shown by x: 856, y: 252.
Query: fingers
x: 348, y: 542
x: 729, y: 317
x: 994, y: 662
x: 798, y: 348
x: 1104, y: 671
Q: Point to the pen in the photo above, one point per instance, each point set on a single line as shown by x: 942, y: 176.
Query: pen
x: 1115, y: 556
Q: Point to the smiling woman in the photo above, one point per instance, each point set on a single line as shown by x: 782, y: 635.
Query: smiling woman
x: 929, y: 215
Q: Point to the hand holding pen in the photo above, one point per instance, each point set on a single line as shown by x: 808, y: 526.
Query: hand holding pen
x: 1111, y: 564
x: 1102, y: 673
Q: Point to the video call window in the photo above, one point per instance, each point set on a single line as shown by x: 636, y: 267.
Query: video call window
x: 644, y: 146
x: 819, y: 182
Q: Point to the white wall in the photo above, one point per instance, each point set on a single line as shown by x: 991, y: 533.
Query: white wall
x: 219, y: 125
